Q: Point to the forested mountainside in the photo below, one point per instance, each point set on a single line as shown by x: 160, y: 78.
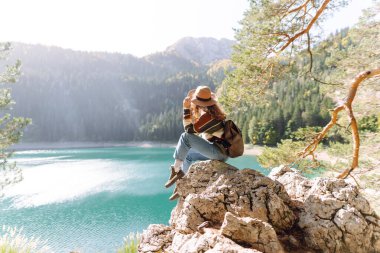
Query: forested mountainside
x: 294, y: 104
x: 298, y: 101
x: 88, y: 96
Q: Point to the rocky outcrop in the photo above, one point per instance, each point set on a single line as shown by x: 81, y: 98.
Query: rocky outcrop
x: 223, y: 209
x: 333, y: 215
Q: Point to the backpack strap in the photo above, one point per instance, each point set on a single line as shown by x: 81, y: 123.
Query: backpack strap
x: 223, y: 141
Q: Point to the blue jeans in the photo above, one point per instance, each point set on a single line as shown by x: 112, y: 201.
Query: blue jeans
x: 191, y: 148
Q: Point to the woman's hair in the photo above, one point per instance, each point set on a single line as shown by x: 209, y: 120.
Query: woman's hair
x: 214, y: 110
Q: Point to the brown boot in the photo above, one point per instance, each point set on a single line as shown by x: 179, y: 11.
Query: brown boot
x: 172, y: 172
x: 174, y: 179
x: 175, y: 194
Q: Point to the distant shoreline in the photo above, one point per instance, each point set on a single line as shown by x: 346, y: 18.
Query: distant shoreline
x: 67, y: 145
x: 248, y: 148
x: 254, y: 150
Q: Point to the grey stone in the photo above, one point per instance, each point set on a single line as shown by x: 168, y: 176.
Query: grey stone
x: 259, y: 234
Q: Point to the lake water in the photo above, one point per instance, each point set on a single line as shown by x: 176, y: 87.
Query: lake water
x: 89, y: 199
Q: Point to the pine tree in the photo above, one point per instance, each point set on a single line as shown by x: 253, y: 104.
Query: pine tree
x: 10, y: 127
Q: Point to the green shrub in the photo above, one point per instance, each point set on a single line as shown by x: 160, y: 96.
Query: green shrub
x: 305, y: 133
x: 369, y: 123
x: 131, y: 243
x: 286, y: 153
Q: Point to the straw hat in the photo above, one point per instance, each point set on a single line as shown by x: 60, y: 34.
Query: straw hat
x: 203, y: 96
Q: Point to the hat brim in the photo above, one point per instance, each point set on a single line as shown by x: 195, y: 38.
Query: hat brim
x: 211, y: 102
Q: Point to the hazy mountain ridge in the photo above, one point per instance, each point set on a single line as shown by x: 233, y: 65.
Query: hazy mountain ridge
x: 96, y: 96
x: 202, y: 50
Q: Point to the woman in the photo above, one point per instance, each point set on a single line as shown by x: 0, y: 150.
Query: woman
x: 203, y: 136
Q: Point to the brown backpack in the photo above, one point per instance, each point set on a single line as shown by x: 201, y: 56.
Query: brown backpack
x: 233, y: 139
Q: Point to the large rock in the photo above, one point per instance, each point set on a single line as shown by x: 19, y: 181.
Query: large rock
x: 210, y: 241
x: 156, y: 238
x: 333, y: 216
x: 214, y: 188
x: 295, y: 183
x: 223, y: 209
x: 259, y: 234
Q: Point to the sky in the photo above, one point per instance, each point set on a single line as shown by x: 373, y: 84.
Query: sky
x: 138, y: 27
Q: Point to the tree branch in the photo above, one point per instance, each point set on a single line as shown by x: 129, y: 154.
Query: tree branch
x: 311, y: 63
x: 347, y: 105
x: 299, y: 7
x: 307, y: 29
x: 309, y: 51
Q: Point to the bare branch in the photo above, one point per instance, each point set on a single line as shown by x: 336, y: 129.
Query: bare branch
x: 356, y: 182
x: 347, y: 105
x: 286, y: 12
x: 309, y: 51
x: 307, y: 29
x: 276, y: 34
x: 323, y: 82
x: 299, y: 7
x: 311, y: 63
x: 309, y: 150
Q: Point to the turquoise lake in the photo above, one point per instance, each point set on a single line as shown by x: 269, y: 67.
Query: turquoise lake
x: 89, y: 199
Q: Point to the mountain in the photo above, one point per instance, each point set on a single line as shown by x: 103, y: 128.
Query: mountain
x: 202, y: 50
x: 96, y: 96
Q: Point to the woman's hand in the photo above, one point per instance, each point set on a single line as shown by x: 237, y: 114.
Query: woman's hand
x: 187, y: 102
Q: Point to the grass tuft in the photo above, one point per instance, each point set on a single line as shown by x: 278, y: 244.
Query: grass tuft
x: 12, y: 240
x: 131, y: 243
